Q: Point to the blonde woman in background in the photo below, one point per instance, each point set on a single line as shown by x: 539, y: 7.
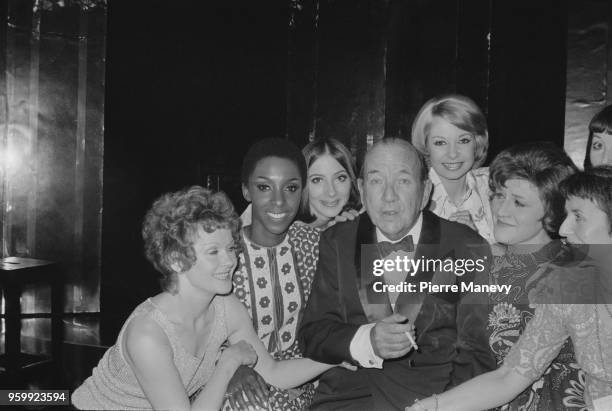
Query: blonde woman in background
x: 451, y: 132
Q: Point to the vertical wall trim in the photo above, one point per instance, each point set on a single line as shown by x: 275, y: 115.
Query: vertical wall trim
x: 33, y: 94
x: 79, y: 169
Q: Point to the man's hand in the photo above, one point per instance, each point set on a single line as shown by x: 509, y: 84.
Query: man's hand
x: 247, y: 382
x: 389, y: 339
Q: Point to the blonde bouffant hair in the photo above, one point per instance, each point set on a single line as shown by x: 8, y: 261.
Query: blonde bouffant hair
x: 461, y: 112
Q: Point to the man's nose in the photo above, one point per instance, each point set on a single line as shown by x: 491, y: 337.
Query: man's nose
x: 389, y: 194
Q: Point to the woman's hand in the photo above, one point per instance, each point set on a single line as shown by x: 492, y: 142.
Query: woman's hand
x: 430, y: 403
x: 348, y: 366
x: 463, y: 217
x: 241, y: 353
x: 247, y: 390
x: 347, y: 215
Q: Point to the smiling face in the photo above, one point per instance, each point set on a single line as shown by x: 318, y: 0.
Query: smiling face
x: 585, y: 223
x: 392, y: 190
x: 601, y: 149
x: 274, y: 189
x: 517, y: 214
x: 215, y: 262
x: 451, y: 149
x: 329, y: 188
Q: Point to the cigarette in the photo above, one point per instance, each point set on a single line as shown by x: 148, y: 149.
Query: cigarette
x: 414, y: 344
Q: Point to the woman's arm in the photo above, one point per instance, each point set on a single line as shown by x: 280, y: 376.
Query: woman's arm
x: 149, y: 354
x: 282, y: 374
x: 527, y: 361
x: 486, y: 391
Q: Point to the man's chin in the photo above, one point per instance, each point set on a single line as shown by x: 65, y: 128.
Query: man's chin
x: 392, y: 232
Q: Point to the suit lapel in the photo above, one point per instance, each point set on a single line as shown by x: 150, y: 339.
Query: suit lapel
x: 376, y: 306
x: 409, y: 304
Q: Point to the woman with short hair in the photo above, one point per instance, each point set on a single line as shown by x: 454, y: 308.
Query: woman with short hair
x: 588, y: 202
x: 172, y: 345
x: 451, y: 133
x: 599, y: 142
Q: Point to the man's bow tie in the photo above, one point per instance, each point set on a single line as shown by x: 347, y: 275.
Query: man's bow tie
x: 405, y: 244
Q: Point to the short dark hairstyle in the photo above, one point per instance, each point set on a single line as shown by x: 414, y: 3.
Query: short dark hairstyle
x: 600, y: 123
x: 595, y: 185
x: 272, y: 147
x: 312, y: 152
x: 544, y: 165
x: 170, y: 225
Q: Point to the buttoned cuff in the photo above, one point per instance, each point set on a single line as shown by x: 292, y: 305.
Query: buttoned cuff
x: 361, y: 348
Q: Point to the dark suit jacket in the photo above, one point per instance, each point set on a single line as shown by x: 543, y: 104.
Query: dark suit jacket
x: 450, y: 326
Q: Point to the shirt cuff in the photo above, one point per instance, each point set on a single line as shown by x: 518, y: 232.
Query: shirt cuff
x: 361, y: 348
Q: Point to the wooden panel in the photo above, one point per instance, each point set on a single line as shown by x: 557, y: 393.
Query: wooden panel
x: 588, y: 70
x: 527, y: 72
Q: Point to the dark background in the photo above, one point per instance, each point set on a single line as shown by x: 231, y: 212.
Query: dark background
x: 190, y: 85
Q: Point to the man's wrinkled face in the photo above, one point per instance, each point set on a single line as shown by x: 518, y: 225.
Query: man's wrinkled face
x: 392, y: 190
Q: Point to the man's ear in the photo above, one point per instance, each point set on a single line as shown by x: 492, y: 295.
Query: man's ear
x: 245, y: 193
x: 360, y: 188
x: 427, y: 188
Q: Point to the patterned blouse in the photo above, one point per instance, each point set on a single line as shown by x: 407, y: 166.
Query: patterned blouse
x: 476, y: 201
x: 562, y: 384
x: 274, y: 284
x: 590, y: 328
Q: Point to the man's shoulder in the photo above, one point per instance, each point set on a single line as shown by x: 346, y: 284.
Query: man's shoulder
x: 454, y: 231
x: 343, y: 229
x: 460, y: 238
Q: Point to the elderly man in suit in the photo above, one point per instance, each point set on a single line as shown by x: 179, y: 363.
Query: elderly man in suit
x: 348, y: 318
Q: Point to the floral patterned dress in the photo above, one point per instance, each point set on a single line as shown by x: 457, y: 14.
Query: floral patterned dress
x: 561, y: 386
x: 274, y: 284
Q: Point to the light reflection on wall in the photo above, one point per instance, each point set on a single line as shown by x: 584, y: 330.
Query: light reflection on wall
x: 18, y: 172
x: 51, y: 142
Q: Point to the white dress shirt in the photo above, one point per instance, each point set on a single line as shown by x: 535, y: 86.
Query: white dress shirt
x: 361, y: 345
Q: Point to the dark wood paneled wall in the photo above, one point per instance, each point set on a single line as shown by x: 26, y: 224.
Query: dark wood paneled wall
x: 372, y: 64
x: 190, y: 85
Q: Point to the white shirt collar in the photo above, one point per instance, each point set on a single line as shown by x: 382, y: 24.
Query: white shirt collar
x: 415, y: 232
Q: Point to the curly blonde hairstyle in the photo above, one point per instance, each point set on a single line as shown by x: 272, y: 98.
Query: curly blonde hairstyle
x: 170, y: 225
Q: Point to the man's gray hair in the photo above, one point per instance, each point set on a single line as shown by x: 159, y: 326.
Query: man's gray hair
x: 406, y: 145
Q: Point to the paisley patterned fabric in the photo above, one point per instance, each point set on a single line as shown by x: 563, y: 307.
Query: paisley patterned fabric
x: 562, y: 385
x: 274, y: 284
x: 590, y: 328
x: 476, y: 201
